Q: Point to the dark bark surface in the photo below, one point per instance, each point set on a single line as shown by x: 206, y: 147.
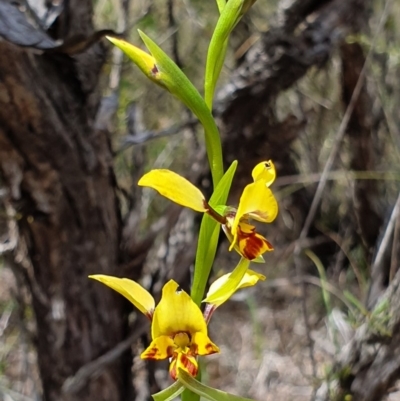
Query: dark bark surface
x: 58, y: 169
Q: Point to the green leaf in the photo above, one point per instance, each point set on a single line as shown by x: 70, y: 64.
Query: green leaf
x: 205, y: 255
x: 173, y: 78
x: 207, y: 392
x: 221, y: 191
x: 170, y: 392
x: 208, y: 237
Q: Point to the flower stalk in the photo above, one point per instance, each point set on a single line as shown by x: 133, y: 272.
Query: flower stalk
x: 178, y: 326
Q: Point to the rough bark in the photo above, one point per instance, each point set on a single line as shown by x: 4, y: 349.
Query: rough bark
x: 58, y: 169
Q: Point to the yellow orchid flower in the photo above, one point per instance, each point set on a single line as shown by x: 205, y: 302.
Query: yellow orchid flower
x: 256, y: 202
x: 178, y: 327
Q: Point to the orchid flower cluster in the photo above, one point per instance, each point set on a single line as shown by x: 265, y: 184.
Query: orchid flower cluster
x: 178, y: 325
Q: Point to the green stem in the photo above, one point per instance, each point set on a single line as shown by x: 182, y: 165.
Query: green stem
x: 230, y: 16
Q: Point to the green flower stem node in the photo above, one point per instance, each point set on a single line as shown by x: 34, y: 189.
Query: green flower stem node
x: 169, y: 393
x: 208, y: 237
x: 204, y: 391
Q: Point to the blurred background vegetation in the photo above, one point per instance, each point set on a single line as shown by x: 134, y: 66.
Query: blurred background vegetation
x: 284, y: 94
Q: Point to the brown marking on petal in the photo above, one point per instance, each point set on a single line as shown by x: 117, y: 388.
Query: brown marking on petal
x: 151, y: 353
x: 172, y: 369
x: 154, y: 70
x: 194, y: 348
x: 211, y: 349
x: 190, y: 367
x: 252, y: 244
x: 170, y: 350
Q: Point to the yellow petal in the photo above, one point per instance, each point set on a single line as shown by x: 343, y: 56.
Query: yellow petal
x: 258, y: 201
x: 249, y: 279
x: 174, y: 187
x: 186, y: 362
x: 143, y: 60
x: 264, y: 171
x: 202, y: 345
x: 223, y: 288
x: 131, y: 290
x: 176, y: 313
x: 160, y: 348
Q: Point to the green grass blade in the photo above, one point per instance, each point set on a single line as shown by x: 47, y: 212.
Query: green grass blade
x: 353, y: 300
x: 322, y: 275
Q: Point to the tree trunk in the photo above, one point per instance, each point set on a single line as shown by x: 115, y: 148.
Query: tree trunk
x: 58, y: 169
